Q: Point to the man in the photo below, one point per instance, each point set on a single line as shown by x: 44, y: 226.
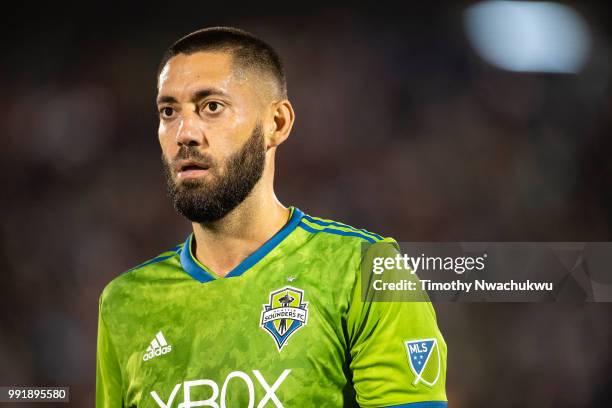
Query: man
x: 262, y: 304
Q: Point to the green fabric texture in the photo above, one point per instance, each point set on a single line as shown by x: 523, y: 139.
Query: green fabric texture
x: 166, y: 339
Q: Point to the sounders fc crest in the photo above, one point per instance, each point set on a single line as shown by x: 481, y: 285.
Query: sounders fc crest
x: 284, y: 315
x: 424, y: 359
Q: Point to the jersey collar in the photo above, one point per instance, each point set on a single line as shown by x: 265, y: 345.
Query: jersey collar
x: 199, y: 272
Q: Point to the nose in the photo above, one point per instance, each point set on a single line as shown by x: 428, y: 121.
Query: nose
x: 189, y: 133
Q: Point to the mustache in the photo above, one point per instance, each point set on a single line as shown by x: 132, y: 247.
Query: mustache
x: 192, y: 153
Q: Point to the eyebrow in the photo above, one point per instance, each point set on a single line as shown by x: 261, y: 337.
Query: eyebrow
x: 199, y: 94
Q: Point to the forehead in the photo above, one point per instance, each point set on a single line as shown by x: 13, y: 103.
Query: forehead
x: 185, y: 74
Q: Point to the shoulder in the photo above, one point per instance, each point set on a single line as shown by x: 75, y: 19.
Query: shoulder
x: 339, y: 233
x: 339, y: 248
x: 151, y: 270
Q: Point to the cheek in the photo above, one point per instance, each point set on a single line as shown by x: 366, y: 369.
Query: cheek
x: 166, y: 139
x: 162, y: 131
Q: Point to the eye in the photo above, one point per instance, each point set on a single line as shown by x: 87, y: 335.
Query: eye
x: 166, y: 112
x: 213, y: 107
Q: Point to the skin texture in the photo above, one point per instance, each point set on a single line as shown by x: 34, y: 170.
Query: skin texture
x: 218, y: 125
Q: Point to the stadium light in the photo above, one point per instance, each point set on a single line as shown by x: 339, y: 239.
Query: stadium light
x: 528, y: 36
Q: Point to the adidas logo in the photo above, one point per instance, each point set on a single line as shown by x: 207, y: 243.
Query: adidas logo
x: 159, y: 346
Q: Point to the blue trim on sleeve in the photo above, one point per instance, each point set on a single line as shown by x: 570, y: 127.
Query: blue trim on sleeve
x: 155, y: 260
x: 423, y: 404
x: 158, y: 258
x: 338, y: 232
x: 339, y: 224
x: 195, y: 269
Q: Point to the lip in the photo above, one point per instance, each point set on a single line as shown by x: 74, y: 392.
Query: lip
x: 186, y: 174
x: 190, y: 169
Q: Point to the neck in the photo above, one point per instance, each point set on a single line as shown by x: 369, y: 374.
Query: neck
x: 223, y: 244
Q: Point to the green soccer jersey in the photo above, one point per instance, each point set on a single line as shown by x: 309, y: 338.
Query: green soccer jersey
x: 286, y: 328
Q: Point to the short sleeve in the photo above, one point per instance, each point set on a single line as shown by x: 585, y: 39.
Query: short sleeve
x: 398, y: 354
x: 108, y: 372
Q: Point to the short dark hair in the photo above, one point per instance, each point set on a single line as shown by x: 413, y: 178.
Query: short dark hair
x: 247, y: 50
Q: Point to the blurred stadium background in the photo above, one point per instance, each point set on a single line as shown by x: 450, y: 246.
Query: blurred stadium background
x: 417, y: 123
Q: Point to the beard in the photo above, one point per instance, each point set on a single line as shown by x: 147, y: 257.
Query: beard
x: 206, y: 201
